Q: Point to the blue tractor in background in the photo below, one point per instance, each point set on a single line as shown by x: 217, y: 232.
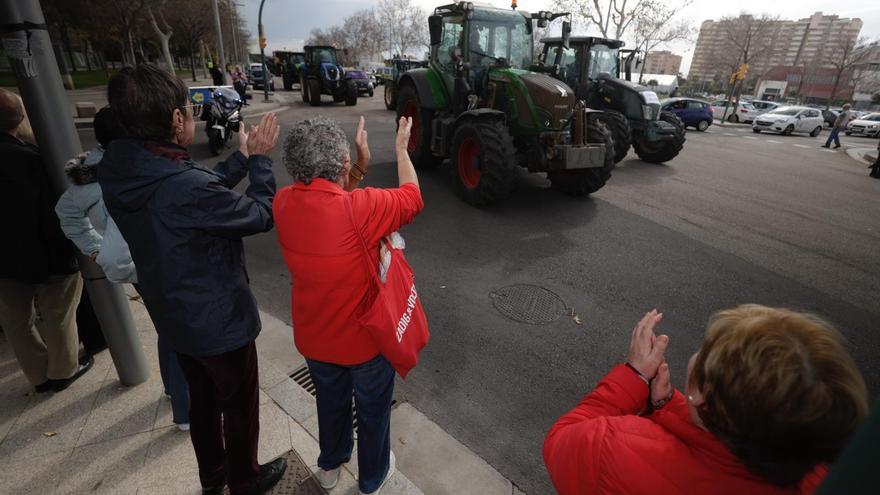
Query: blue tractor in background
x: 322, y: 74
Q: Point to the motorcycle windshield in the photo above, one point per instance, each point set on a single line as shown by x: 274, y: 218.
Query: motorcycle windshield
x: 227, y: 98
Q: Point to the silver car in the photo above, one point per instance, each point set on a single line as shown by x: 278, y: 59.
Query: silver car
x: 787, y: 120
x: 869, y: 126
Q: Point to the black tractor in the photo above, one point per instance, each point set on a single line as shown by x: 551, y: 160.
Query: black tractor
x: 591, y: 66
x: 399, y: 66
x: 323, y: 74
x: 287, y: 64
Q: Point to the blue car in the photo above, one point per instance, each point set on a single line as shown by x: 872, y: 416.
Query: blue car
x: 694, y: 113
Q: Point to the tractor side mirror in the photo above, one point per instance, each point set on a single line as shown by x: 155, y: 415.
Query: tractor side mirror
x: 566, y: 34
x: 435, y: 26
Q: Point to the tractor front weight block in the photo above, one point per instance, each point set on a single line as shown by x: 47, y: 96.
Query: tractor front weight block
x: 578, y: 157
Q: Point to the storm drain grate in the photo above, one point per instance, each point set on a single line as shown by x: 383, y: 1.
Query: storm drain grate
x: 530, y: 304
x: 303, y: 378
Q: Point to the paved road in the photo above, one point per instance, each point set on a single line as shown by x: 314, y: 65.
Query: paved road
x: 736, y: 218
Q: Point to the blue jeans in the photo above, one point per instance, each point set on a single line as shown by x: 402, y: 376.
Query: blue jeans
x: 835, y: 135
x: 372, y: 384
x: 174, y: 382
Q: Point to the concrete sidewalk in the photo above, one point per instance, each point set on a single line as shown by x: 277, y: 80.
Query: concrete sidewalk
x: 100, y: 437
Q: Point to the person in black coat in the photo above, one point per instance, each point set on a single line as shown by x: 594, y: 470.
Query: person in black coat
x: 38, y: 269
x: 184, y: 225
x: 875, y: 167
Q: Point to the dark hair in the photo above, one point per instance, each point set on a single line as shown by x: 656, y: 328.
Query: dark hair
x: 143, y: 99
x: 780, y: 390
x: 106, y: 128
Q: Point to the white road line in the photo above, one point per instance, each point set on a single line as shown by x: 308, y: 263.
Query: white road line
x: 750, y: 137
x: 728, y: 134
x: 774, y: 142
x: 828, y: 151
x: 801, y: 146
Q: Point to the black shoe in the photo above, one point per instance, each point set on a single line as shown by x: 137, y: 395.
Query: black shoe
x: 838, y: 146
x: 270, y: 474
x: 43, y: 387
x: 826, y: 145
x: 59, y: 385
x: 215, y: 487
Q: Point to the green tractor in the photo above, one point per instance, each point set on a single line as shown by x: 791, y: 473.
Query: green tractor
x: 399, y: 66
x: 478, y: 105
x: 592, y: 67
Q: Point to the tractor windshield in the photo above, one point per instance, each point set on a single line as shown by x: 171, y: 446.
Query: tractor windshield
x: 603, y: 58
x: 502, y: 35
x: 324, y: 56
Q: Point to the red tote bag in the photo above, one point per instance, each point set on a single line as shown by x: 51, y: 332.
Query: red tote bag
x: 395, y: 317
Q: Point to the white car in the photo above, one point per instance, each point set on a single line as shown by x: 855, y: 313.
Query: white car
x: 763, y: 106
x: 869, y: 125
x: 786, y: 120
x: 745, y: 112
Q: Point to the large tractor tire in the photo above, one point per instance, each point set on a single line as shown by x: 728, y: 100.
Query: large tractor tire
x: 588, y: 180
x: 390, y: 97
x: 304, y: 89
x: 351, y: 93
x: 662, y: 151
x: 483, y: 160
x: 314, y: 92
x: 419, y: 146
x: 620, y: 131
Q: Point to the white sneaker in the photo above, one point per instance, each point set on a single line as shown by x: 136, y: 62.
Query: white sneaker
x: 182, y: 426
x: 391, y: 463
x: 328, y: 479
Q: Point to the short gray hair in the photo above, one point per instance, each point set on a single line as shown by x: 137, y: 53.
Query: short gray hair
x: 315, y: 149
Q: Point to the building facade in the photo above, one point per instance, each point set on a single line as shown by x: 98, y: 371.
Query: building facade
x: 808, y: 42
x: 660, y: 62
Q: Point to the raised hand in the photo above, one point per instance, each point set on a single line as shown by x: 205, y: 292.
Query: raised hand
x: 363, y: 147
x: 646, y: 350
x: 403, y: 130
x: 661, y: 386
x: 261, y: 139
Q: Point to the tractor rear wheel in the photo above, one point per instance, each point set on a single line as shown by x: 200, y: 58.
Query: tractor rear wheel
x: 483, y: 160
x: 620, y: 131
x: 585, y: 181
x: 314, y: 92
x: 304, y: 89
x: 351, y: 93
x: 419, y: 146
x: 390, y: 97
x: 662, y: 151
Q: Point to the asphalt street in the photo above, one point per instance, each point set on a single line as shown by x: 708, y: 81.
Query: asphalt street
x: 736, y: 218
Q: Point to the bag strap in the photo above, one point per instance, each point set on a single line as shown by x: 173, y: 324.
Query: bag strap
x: 371, y: 267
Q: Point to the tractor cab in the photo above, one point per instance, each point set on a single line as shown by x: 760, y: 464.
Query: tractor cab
x: 585, y: 61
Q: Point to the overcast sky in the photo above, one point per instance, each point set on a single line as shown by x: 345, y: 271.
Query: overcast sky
x: 288, y: 22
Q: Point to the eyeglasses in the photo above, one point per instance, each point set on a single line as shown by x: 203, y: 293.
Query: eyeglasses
x: 193, y: 107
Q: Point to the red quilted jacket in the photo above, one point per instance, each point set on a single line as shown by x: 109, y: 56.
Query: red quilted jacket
x: 602, y: 447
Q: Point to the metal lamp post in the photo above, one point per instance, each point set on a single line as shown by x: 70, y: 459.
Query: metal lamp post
x: 262, y: 52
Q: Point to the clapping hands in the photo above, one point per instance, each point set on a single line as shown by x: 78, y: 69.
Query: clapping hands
x: 647, y: 355
x: 260, y: 140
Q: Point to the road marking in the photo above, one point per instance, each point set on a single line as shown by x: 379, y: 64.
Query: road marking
x: 801, y: 146
x: 728, y: 134
x: 750, y: 137
x: 828, y: 151
x: 774, y: 142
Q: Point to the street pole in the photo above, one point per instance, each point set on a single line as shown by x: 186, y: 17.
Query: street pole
x: 219, y: 40
x: 29, y: 49
x: 234, y: 29
x: 263, y: 53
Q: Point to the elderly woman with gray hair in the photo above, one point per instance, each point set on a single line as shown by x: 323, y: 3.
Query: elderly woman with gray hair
x: 321, y: 219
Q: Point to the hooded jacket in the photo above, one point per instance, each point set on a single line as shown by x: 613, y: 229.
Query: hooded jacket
x: 86, y: 222
x: 603, y: 447
x: 35, y: 247
x: 184, y: 226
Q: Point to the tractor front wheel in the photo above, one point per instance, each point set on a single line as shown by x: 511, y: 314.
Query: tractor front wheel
x: 390, y: 97
x: 314, y: 92
x: 662, y: 151
x: 483, y: 160
x: 419, y: 146
x: 585, y: 181
x: 351, y: 93
x: 620, y: 131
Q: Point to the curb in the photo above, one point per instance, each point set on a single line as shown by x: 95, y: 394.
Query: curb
x: 863, y: 155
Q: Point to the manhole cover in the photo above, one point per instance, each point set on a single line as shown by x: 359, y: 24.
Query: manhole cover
x: 528, y: 304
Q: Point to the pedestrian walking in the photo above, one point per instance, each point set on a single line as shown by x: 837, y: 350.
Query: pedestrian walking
x: 86, y: 221
x: 39, y: 282
x: 845, y: 117
x: 240, y: 82
x: 216, y: 74
x: 745, y: 423
x: 323, y: 220
x: 875, y: 167
x: 184, y: 225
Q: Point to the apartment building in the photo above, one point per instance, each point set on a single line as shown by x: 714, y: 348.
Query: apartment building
x: 810, y: 41
x: 660, y: 62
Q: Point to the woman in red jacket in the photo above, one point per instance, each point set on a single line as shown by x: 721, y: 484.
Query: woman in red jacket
x: 320, y: 221
x: 772, y: 395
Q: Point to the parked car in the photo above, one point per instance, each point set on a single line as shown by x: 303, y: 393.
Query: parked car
x: 255, y: 76
x: 869, y: 126
x: 692, y: 112
x: 362, y: 80
x: 786, y: 120
x: 764, y: 106
x: 830, y: 116
x: 744, y: 112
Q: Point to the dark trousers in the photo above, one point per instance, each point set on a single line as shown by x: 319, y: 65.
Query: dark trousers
x: 372, y: 384
x: 835, y: 135
x: 224, y: 416
x: 88, y: 327
x: 174, y: 382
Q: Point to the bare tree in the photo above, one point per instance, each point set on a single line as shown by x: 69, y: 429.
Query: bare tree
x: 657, y: 26
x: 747, y: 40
x: 843, y: 56
x: 612, y: 18
x: 191, y: 26
x: 128, y: 15
x: 163, y: 33
x: 404, y: 25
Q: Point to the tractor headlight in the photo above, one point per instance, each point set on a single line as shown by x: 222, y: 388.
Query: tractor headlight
x: 648, y: 111
x: 545, y: 118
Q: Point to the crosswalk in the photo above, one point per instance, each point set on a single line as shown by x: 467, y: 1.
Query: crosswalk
x: 745, y: 132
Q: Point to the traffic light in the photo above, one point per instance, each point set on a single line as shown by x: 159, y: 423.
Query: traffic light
x: 262, y: 42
